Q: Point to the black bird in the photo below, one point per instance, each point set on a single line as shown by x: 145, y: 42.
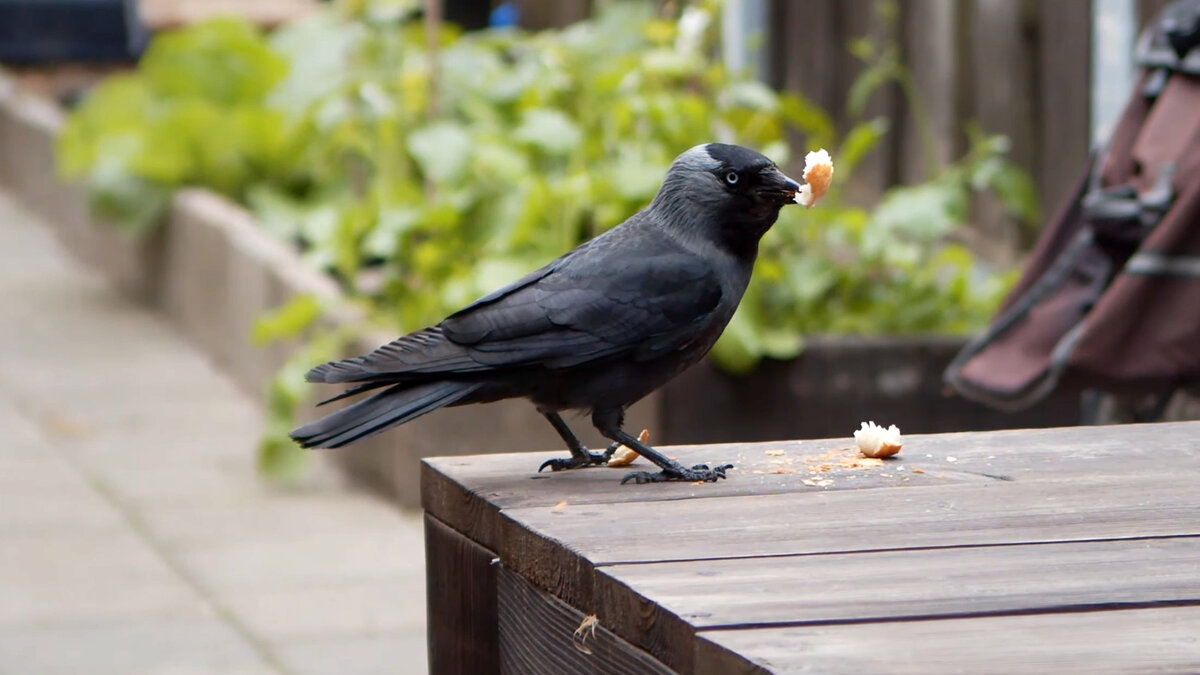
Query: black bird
x: 597, y: 329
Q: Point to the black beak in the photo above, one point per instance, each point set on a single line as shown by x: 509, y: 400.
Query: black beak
x: 777, y: 185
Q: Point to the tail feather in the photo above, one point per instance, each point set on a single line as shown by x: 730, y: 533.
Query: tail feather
x: 425, y: 353
x: 393, y: 406
x: 357, y: 389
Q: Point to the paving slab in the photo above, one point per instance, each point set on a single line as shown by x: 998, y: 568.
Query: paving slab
x: 357, y: 655
x: 174, y: 647
x: 135, y: 537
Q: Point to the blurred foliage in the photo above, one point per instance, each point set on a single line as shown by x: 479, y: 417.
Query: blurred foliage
x: 423, y: 180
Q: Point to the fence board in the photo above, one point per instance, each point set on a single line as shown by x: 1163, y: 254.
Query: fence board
x: 1147, y: 10
x: 936, y: 56
x: 1063, y: 98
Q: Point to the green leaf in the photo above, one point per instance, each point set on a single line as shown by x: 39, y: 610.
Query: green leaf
x: 549, y: 130
x: 1016, y: 190
x: 393, y: 225
x: 924, y: 211
x: 808, y: 118
x: 115, y: 108
x: 635, y: 177
x: 313, y: 74
x: 861, y: 48
x: 279, y: 458
x: 754, y: 95
x: 223, y: 60
x: 129, y: 201
x: 867, y: 83
x: 286, y: 322
x: 443, y: 151
x: 861, y: 140
x: 781, y: 343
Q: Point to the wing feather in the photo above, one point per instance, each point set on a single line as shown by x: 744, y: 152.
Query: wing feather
x: 577, y: 310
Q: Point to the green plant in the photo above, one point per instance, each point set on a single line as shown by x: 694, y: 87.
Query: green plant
x: 422, y: 181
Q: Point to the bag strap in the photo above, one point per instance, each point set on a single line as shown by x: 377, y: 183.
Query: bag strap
x: 1172, y: 46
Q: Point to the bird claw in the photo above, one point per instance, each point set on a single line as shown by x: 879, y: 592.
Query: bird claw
x: 576, y: 462
x: 698, y: 473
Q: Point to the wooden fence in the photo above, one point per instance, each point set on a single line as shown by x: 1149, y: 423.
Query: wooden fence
x: 1021, y: 68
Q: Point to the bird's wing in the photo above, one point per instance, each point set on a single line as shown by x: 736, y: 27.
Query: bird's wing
x: 423, y: 352
x: 645, y: 305
x: 570, y: 312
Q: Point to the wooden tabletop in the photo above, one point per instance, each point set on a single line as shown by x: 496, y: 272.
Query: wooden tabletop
x: 1064, y: 550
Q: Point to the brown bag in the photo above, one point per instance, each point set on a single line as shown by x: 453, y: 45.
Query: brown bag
x: 1110, y: 297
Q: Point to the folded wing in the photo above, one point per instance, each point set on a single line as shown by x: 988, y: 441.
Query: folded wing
x: 571, y: 312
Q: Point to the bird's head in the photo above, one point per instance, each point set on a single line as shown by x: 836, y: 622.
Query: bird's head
x: 726, y: 192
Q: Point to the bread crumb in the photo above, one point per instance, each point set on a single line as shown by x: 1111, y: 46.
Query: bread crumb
x: 818, y: 174
x: 876, y: 442
x: 625, y: 455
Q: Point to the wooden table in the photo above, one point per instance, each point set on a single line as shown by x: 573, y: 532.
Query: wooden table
x: 1059, y: 550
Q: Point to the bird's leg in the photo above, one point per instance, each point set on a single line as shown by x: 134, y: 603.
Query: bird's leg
x: 609, y: 424
x: 580, y: 456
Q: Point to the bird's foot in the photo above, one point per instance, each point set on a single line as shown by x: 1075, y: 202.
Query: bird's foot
x: 577, y: 461
x: 698, y: 473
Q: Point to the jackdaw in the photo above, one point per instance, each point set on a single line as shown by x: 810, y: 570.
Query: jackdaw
x: 597, y: 329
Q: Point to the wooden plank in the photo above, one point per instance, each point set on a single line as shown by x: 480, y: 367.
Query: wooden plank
x: 537, y: 635
x: 878, y: 170
x: 660, y: 607
x: 803, y: 50
x: 468, y: 493
x: 935, y: 53
x: 1064, y: 98
x: 808, y: 50
x: 1160, y: 640
x: 1148, y: 11
x: 461, y: 603
x: 1004, y: 101
x: 558, y: 549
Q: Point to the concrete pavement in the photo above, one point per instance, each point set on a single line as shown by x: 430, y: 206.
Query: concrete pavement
x: 135, y: 537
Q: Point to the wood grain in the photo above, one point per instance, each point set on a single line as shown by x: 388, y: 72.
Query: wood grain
x: 1004, y: 58
x: 1063, y: 98
x: 461, y: 603
x: 891, y: 586
x: 1160, y: 640
x: 1148, y: 11
x: 935, y: 53
x: 537, y: 636
x: 819, y: 521
x: 468, y: 493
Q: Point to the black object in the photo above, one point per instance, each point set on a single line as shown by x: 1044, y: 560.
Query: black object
x: 469, y: 14
x: 597, y: 329
x: 55, y: 31
x: 1180, y: 25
